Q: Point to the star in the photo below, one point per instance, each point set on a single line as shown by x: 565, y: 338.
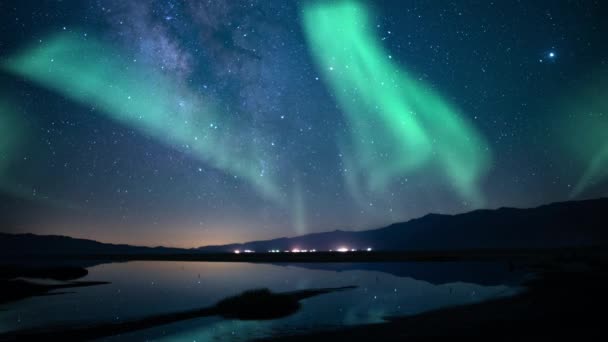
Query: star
x: 550, y: 56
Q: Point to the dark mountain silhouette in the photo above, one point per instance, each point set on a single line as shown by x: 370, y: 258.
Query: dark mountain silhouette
x: 19, y: 244
x: 564, y: 224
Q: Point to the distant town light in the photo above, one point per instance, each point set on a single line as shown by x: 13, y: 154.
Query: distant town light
x: 353, y: 250
x: 369, y: 249
x: 342, y: 249
x: 295, y: 250
x: 236, y: 251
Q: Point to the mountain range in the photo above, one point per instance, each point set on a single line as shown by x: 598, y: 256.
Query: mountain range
x: 32, y: 244
x: 564, y: 224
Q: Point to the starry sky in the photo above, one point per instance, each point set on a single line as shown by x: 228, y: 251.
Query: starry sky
x: 188, y: 123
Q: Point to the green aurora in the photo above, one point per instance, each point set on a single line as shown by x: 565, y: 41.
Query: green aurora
x: 91, y: 73
x: 583, y: 132
x: 398, y: 124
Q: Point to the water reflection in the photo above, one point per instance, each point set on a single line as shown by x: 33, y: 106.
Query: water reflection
x: 477, y: 272
x: 144, y: 288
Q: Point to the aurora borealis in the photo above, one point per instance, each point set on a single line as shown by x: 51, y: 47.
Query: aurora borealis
x: 89, y: 72
x: 582, y: 128
x: 187, y: 123
x: 398, y: 124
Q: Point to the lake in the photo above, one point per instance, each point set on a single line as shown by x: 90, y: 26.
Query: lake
x: 142, y: 288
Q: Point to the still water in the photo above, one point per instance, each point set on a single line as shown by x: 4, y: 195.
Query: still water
x: 143, y: 288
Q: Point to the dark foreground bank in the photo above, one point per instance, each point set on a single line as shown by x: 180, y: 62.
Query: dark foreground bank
x: 16, y: 281
x: 569, y: 302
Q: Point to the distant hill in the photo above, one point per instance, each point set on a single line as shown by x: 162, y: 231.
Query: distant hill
x: 20, y: 244
x: 565, y: 224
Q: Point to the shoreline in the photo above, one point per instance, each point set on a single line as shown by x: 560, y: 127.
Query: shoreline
x: 540, y: 255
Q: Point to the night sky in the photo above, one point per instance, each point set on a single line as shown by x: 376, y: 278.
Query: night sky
x: 188, y: 123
